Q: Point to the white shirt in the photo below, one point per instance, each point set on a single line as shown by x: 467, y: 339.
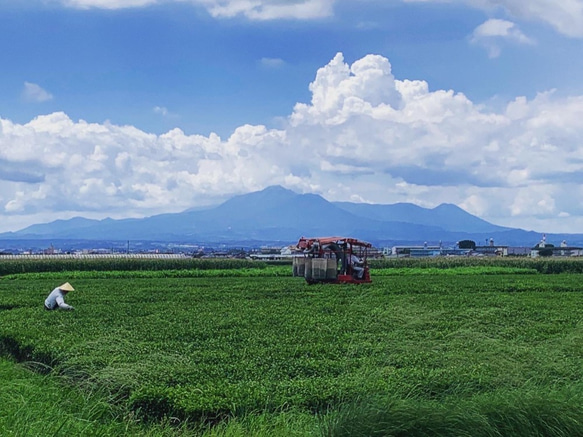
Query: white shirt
x: 57, y: 300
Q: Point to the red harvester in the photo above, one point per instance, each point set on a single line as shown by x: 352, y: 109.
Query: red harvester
x: 337, y: 260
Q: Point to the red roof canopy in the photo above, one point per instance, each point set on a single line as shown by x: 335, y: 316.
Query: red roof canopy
x: 304, y: 242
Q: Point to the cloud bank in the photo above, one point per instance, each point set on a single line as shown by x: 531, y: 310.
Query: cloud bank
x: 565, y: 16
x: 364, y: 136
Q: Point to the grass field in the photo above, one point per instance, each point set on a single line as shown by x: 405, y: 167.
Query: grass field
x: 478, y: 353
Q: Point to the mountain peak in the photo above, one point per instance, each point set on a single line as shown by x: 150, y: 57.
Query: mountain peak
x: 448, y: 208
x: 279, y: 214
x: 276, y: 189
x: 258, y: 199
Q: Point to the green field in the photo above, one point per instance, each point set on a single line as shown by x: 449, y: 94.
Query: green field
x: 466, y: 350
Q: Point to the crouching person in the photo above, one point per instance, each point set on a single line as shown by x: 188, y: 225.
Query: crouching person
x: 56, y: 298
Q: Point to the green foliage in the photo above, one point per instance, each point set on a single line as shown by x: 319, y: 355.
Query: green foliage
x: 35, y: 405
x: 190, y: 267
x: 216, y: 350
x: 261, y: 271
x: 467, y: 244
x: 470, y: 270
x: 31, y: 265
x: 522, y: 412
x: 546, y: 265
x: 546, y: 251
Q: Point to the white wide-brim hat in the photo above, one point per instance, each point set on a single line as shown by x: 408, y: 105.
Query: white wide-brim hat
x: 66, y: 287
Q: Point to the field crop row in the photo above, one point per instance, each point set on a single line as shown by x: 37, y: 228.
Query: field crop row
x: 205, y: 349
x: 15, y: 266
x: 546, y: 265
x: 262, y: 271
x: 231, y: 266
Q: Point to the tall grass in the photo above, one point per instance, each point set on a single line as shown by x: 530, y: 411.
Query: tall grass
x: 505, y: 413
x: 37, y: 405
x: 47, y: 405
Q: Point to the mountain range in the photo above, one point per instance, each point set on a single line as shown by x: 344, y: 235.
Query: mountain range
x: 277, y: 215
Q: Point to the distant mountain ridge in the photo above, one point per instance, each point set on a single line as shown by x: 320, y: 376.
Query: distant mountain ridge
x: 276, y: 214
x: 446, y: 216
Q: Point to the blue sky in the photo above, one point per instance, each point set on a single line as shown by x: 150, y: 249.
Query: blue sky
x: 136, y: 107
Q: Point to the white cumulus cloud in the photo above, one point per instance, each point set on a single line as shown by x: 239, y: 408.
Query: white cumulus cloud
x: 365, y: 135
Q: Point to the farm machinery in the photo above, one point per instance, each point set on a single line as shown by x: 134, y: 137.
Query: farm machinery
x: 338, y: 260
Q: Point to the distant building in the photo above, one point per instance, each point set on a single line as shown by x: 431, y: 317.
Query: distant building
x: 423, y: 251
x: 517, y: 251
x: 545, y: 249
x: 375, y: 252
